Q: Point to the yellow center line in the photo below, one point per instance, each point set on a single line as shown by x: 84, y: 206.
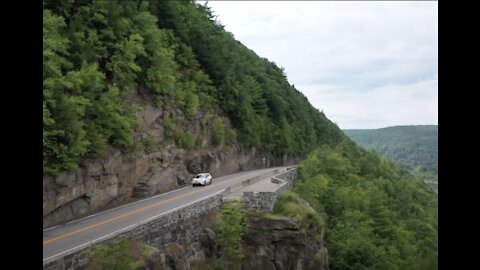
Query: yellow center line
x: 51, y: 240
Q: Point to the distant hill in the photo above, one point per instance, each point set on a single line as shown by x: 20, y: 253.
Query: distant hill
x: 415, y: 147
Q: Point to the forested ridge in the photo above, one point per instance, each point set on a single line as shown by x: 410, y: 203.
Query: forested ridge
x: 415, y: 147
x: 378, y: 216
x: 97, y: 53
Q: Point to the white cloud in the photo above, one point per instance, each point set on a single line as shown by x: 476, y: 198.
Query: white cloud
x: 371, y: 56
x: 410, y: 104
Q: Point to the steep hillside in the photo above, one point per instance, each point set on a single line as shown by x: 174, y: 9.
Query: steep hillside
x: 140, y: 95
x: 415, y: 147
x: 98, y: 54
x: 377, y: 215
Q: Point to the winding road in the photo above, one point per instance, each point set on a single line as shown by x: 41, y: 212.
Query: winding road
x: 59, y: 240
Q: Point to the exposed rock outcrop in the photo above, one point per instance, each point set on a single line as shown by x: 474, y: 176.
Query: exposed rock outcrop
x: 114, y: 180
x: 278, y: 244
x: 271, y: 243
x: 176, y: 258
x: 120, y: 178
x: 208, y: 242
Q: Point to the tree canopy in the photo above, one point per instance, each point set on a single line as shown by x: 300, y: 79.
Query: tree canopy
x: 378, y: 215
x: 415, y: 147
x: 97, y: 53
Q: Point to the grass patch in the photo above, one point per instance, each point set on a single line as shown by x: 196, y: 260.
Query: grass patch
x: 120, y: 254
x: 267, y: 215
x: 290, y: 205
x: 206, y: 264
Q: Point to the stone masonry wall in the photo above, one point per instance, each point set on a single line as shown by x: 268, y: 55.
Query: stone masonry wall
x: 182, y: 226
x: 159, y: 233
x: 264, y: 201
x: 259, y: 201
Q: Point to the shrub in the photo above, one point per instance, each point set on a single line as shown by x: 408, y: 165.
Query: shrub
x: 230, y: 226
x: 218, y: 131
x: 186, y: 139
x: 289, y: 204
x: 111, y: 256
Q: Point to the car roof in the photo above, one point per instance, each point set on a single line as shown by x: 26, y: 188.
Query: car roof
x: 202, y: 173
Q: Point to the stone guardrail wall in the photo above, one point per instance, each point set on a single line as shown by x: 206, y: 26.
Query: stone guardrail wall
x: 158, y: 231
x: 248, y: 182
x: 264, y: 201
x: 181, y: 225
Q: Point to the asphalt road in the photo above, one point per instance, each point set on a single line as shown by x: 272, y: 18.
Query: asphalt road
x: 59, y: 240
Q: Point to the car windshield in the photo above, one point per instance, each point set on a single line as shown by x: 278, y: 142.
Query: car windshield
x: 199, y: 176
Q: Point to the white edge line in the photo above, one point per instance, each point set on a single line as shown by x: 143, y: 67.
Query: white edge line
x: 51, y: 228
x: 126, y: 205
x: 116, y: 208
x: 176, y: 208
x: 88, y: 243
x: 136, y: 224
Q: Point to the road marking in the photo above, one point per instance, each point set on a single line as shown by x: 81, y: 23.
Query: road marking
x: 86, y: 244
x: 54, y: 239
x: 54, y: 227
x: 132, y: 203
x: 116, y: 208
x: 133, y: 225
x: 123, y: 206
x: 185, y: 205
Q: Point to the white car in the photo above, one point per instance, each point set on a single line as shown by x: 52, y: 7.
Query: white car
x: 202, y: 179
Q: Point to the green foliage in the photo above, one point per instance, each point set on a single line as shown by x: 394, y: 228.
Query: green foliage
x: 184, y: 139
x: 99, y: 144
x: 218, y: 131
x: 114, y: 255
x: 415, y: 147
x: 290, y: 205
x: 191, y: 105
x: 97, y: 54
x: 378, y: 216
x: 264, y: 108
x: 115, y: 118
x: 148, y: 142
x: 118, y: 254
x: 122, y: 64
x: 222, y: 134
x: 169, y: 127
x: 205, y: 264
x: 187, y: 140
x: 230, y: 227
x: 230, y: 135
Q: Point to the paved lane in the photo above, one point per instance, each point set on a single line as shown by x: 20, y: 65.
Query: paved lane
x: 59, y: 240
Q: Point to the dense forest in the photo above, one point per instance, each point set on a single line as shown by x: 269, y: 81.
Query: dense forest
x: 98, y: 54
x: 415, y: 147
x: 377, y: 215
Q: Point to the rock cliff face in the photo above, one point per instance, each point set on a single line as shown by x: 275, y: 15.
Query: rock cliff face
x: 113, y: 180
x: 269, y: 243
x: 278, y: 244
x: 120, y: 178
x: 272, y: 244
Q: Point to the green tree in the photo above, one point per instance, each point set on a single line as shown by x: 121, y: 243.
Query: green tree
x: 378, y: 216
x: 218, y: 131
x: 230, y: 225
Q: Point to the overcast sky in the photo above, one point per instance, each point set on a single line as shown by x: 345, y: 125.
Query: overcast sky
x: 364, y: 64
